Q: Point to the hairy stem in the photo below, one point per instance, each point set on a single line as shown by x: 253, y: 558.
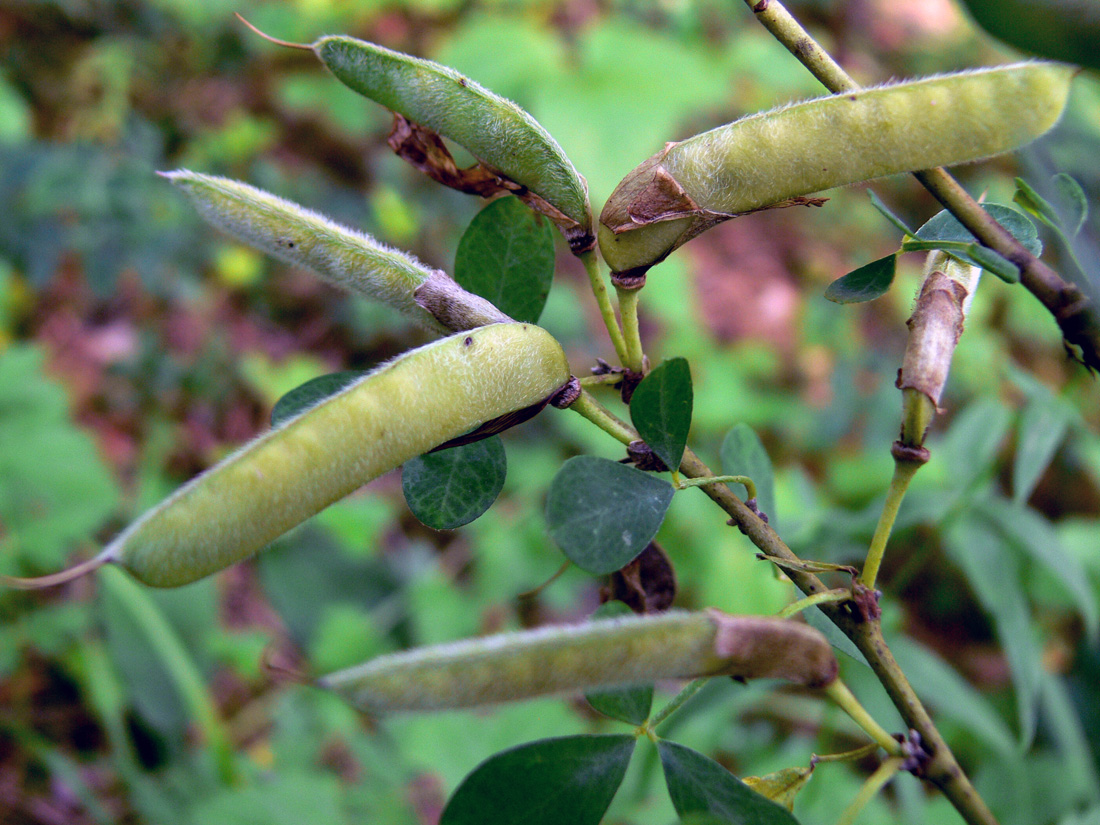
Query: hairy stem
x: 599, y: 415
x: 603, y: 300
x: 628, y: 311
x: 883, y: 774
x: 903, y: 474
x: 1075, y: 313
x: 750, y: 487
x: 846, y: 700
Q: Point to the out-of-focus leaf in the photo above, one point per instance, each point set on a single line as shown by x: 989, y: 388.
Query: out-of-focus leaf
x: 283, y: 798
x: 971, y: 444
x: 602, y: 514
x: 1074, y: 205
x: 549, y: 782
x: 631, y: 704
x: 951, y: 696
x: 743, y: 454
x: 1031, y: 534
x: 452, y: 487
x: 698, y: 784
x: 56, y: 491
x: 1070, y: 738
x: 661, y: 410
x: 1043, y: 425
x: 1057, y: 29
x: 507, y: 257
x: 993, y: 571
x: 870, y: 281
x: 307, y: 395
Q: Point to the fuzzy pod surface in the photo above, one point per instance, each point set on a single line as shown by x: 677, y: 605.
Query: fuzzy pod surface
x: 493, y: 129
x: 602, y: 653
x: 342, y: 256
x: 773, y: 157
x: 400, y: 410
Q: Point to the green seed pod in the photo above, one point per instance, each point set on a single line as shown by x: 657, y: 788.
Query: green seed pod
x: 501, y: 135
x: 599, y: 654
x: 341, y: 256
x: 934, y: 329
x: 399, y: 411
x: 777, y: 157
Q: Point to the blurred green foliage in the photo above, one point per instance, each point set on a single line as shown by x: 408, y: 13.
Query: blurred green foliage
x: 137, y: 347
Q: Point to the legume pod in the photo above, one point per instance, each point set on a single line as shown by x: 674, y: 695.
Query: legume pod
x: 399, y: 411
x: 770, y: 158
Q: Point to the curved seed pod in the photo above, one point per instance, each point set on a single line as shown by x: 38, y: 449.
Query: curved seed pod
x: 399, y: 411
x: 774, y: 158
x: 934, y: 330
x: 602, y: 653
x: 341, y: 256
x: 501, y: 135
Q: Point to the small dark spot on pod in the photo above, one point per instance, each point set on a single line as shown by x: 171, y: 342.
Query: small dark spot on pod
x: 469, y: 340
x: 462, y: 81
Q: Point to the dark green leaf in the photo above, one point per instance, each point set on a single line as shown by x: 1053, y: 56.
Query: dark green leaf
x: 698, y: 784
x: 884, y: 210
x: 507, y: 257
x: 1055, y: 29
x: 301, y: 398
x: 944, y: 231
x: 452, y: 487
x: 602, y: 514
x: 630, y: 704
x: 1043, y: 425
x: 549, y: 782
x: 972, y: 443
x: 1073, y: 205
x: 743, y: 454
x: 1031, y: 534
x: 661, y: 410
x: 993, y: 572
x: 868, y: 282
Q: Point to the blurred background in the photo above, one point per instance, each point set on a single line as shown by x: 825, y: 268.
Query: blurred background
x: 138, y: 346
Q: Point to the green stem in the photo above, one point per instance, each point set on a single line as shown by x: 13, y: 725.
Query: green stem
x: 699, y: 482
x: 599, y: 415
x: 628, y: 311
x: 883, y: 774
x: 839, y: 693
x: 903, y: 474
x: 677, y: 701
x: 838, y: 595
x: 1076, y: 315
x: 603, y: 300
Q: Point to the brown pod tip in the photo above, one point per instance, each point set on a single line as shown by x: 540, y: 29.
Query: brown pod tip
x: 765, y: 647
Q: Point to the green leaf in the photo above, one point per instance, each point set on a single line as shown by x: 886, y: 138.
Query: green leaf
x: 1055, y: 29
x: 943, y: 231
x: 993, y: 572
x: 884, y: 210
x: 1074, y: 206
x: 1042, y: 427
x: 743, y: 454
x: 661, y: 410
x: 698, y: 784
x: 868, y: 282
x: 571, y: 779
x: 285, y: 798
x: 1029, y: 533
x: 602, y: 514
x: 630, y: 704
x: 1035, y: 204
x: 452, y: 487
x: 971, y: 445
x: 301, y: 398
x: 507, y: 257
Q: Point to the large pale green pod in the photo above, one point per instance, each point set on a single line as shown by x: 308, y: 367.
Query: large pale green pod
x: 598, y: 654
x: 400, y: 410
x: 772, y: 157
x: 342, y: 256
x: 494, y: 130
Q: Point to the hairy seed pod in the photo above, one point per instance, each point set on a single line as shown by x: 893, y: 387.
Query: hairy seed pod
x: 399, y: 411
x: 341, y: 256
x: 600, y: 654
x: 777, y: 157
x: 497, y: 132
x: 934, y: 329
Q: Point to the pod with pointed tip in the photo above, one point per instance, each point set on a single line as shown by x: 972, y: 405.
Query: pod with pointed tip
x: 494, y: 130
x: 341, y: 256
x: 599, y: 654
x: 399, y: 411
x: 775, y: 157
